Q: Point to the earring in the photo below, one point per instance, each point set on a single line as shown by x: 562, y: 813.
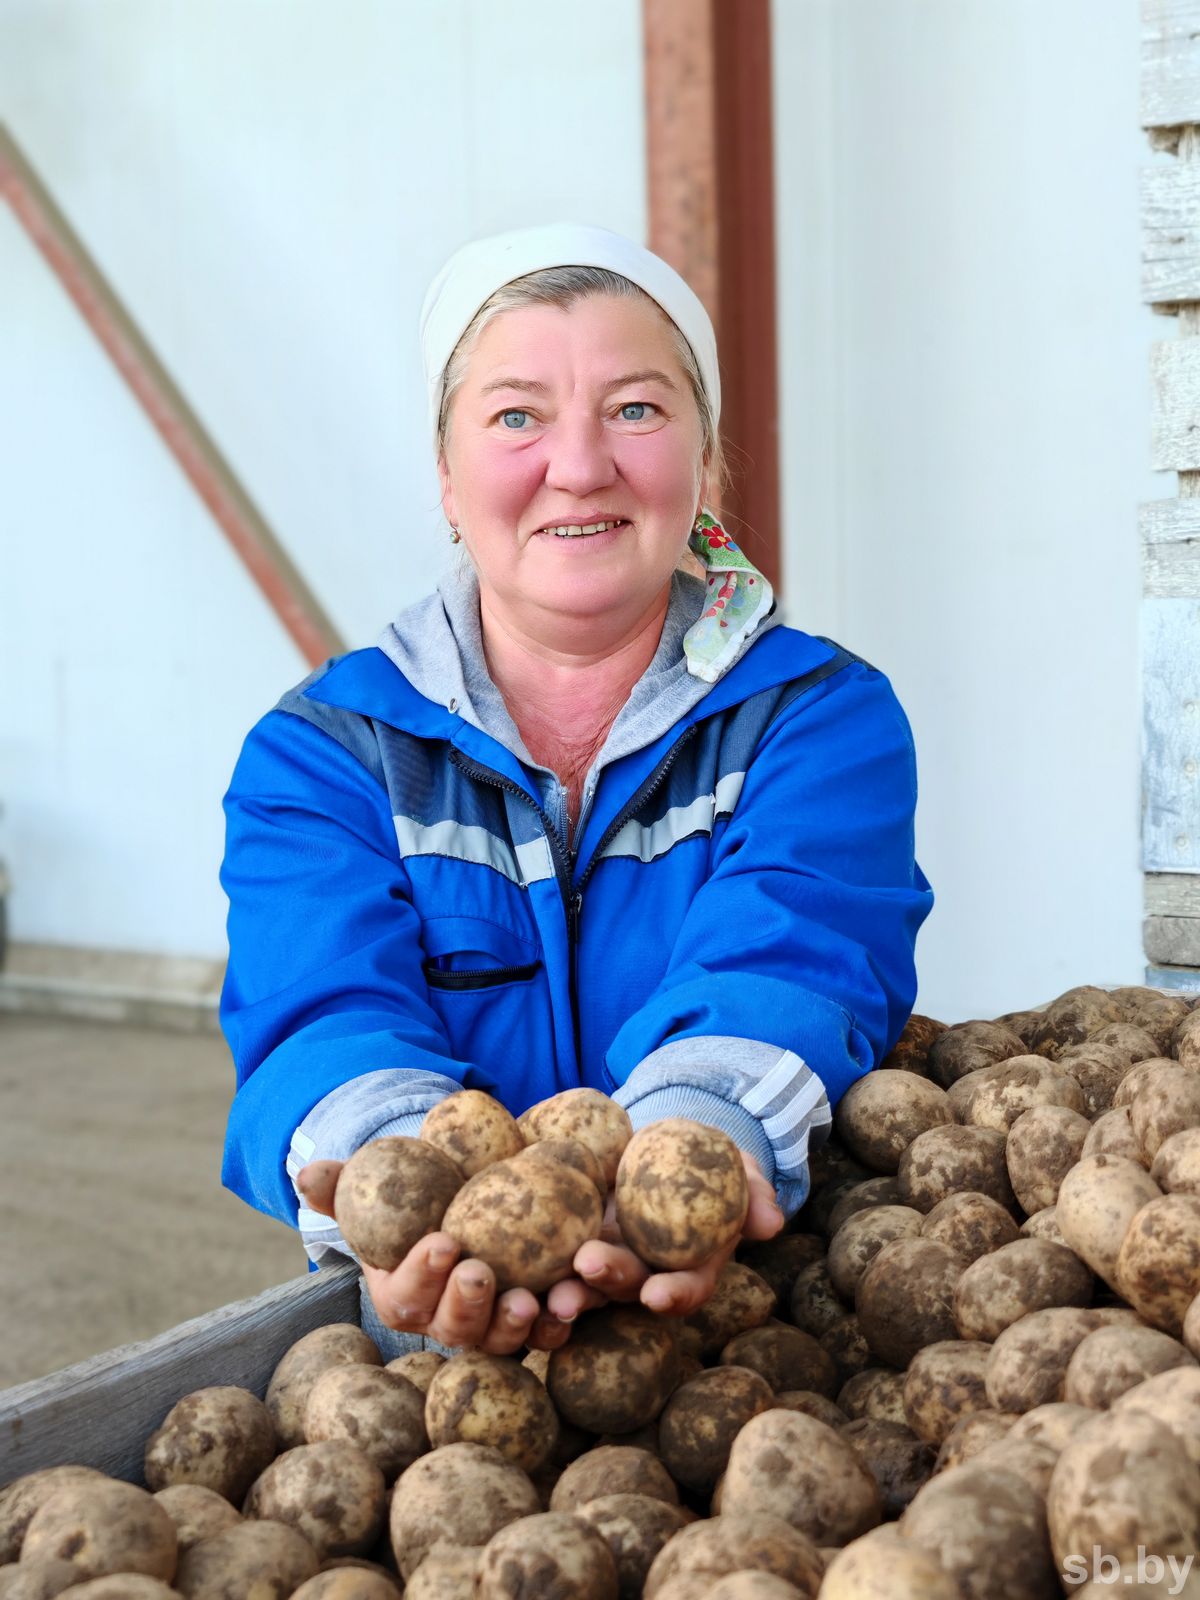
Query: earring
x: 455, y: 536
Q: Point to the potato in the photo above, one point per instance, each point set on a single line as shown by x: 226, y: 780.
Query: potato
x: 586, y: 1115
x: 944, y: 1382
x: 825, y: 1199
x: 1028, y: 1361
x: 985, y: 1527
x: 1110, y: 1361
x: 1124, y: 1483
x: 390, y: 1194
x: 266, y: 1559
x: 1185, y: 1040
x: 969, y: 1224
x: 1044, y: 1143
x: 381, y: 1413
x: 946, y: 1161
x: 1028, y: 1459
x: 1054, y: 1424
x: 613, y: 1469
x: 634, y: 1527
x: 881, y: 1114
x: 101, y: 1527
x: 1176, y: 1166
x: 703, y: 1417
x: 1158, y: 1266
x: 1158, y: 1014
x: 1099, y: 1070
x: 418, y: 1366
x: 618, y: 1369
x: 446, y: 1574
x: 752, y: 1586
x: 544, y: 1554
x: 1136, y: 1079
x: 1165, y: 1105
x: 1173, y: 1397
x: 971, y: 1435
x: 1126, y: 1037
x: 1112, y: 1135
x: 1023, y: 1023
x: 875, y: 1394
x: 1022, y: 1083
x: 792, y: 1466
x: 123, y: 1586
x: 812, y: 1404
x: 1028, y: 1275
x: 778, y: 1261
x: 741, y: 1301
x: 197, y: 1512
x: 346, y: 1584
x: 961, y: 1094
x: 1191, y: 1327
x: 899, y: 1462
x: 462, y: 1493
x: 473, y: 1130
x: 1044, y: 1225
x: 682, y: 1193
x: 904, y: 1298
x: 1097, y: 1200
x: 330, y: 1492
x: 736, y: 1542
x: 845, y: 1342
x: 41, y: 1580
x: 910, y: 1053
x: 1073, y: 1017
x: 814, y: 1304
x: 883, y: 1566
x: 336, y: 1345
x: 882, y: 1191
x: 481, y: 1399
x: 968, y: 1046
x: 858, y: 1241
x: 526, y: 1220
x: 786, y: 1357
x: 22, y: 1497
x: 220, y: 1438
x: 572, y: 1154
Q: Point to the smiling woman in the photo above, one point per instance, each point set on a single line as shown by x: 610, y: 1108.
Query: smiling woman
x: 571, y: 722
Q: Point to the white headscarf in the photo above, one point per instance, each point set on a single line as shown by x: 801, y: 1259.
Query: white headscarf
x: 474, y: 273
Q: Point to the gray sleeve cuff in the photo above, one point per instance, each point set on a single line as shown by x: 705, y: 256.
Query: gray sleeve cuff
x: 760, y: 1087
x: 393, y: 1101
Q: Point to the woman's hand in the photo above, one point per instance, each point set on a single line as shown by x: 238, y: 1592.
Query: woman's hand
x: 433, y: 1292
x: 609, y: 1270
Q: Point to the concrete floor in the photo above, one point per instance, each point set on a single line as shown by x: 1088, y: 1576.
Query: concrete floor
x: 113, y: 1222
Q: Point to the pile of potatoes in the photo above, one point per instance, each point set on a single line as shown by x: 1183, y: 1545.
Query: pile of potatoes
x: 969, y: 1369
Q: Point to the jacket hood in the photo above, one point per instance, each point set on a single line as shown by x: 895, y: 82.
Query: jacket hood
x: 438, y: 645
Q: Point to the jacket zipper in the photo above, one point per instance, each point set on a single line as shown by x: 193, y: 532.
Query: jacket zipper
x: 564, y: 859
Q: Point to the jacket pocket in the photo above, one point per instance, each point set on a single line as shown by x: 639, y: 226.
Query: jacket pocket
x: 478, y: 977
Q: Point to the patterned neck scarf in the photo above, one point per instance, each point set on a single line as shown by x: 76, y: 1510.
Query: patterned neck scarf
x: 739, y: 597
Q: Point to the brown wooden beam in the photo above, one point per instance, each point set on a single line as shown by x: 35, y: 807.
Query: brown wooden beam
x: 214, y: 480
x: 710, y: 167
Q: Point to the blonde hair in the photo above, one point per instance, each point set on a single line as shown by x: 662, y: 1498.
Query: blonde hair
x: 562, y: 286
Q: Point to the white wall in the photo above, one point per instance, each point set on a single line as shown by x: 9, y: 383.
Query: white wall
x: 269, y: 186
x: 965, y: 442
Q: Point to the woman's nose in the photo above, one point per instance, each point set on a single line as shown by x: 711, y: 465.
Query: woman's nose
x: 579, y: 456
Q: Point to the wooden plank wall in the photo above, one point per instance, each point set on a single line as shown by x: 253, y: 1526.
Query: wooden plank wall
x: 1170, y: 528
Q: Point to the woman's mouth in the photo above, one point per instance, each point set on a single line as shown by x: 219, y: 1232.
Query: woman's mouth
x: 584, y: 530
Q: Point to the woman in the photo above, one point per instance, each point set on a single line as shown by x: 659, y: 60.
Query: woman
x: 581, y: 817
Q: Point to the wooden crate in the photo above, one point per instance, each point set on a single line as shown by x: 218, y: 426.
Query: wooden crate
x: 100, y: 1412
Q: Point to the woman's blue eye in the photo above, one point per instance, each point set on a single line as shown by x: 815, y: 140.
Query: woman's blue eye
x: 638, y: 406
x: 507, y: 417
